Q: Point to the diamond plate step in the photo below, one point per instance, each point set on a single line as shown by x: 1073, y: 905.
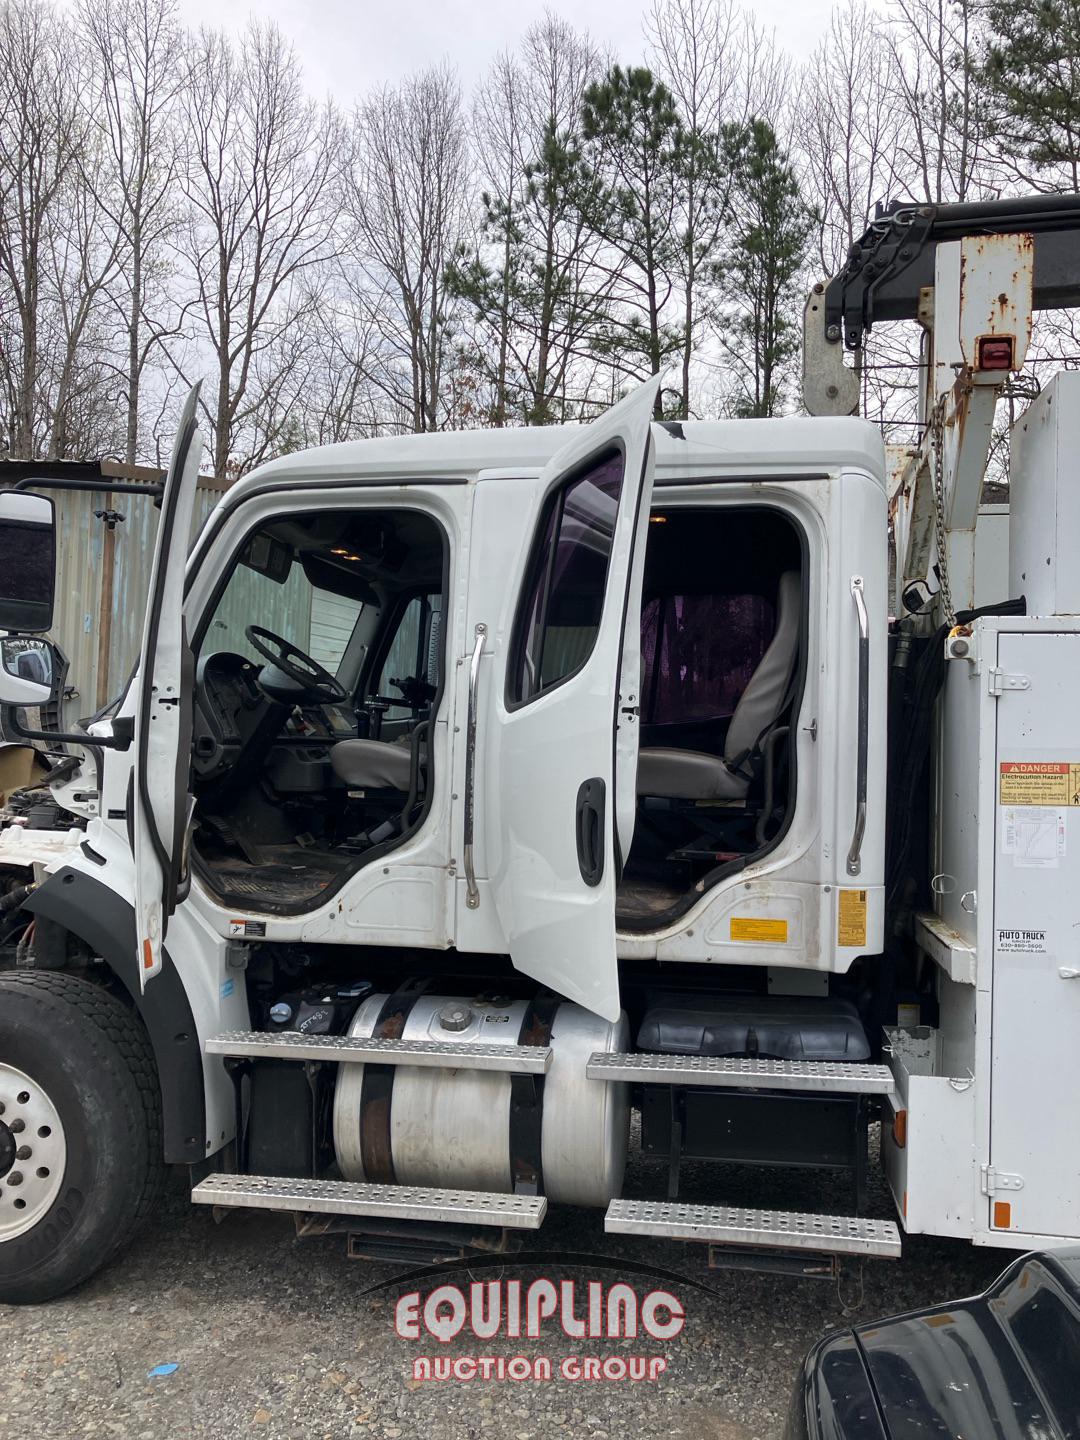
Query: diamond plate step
x: 447, y: 1054
x: 819, y: 1076
x: 387, y: 1202
x: 771, y: 1229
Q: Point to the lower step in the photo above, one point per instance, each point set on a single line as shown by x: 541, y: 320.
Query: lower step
x: 769, y: 1229
x: 387, y: 1202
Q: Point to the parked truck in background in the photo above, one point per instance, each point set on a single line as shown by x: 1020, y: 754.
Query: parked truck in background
x: 473, y: 790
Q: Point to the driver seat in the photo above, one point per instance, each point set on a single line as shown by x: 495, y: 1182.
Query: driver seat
x: 372, y: 764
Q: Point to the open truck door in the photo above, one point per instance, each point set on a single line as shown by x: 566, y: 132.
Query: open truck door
x: 560, y: 767
x: 164, y: 708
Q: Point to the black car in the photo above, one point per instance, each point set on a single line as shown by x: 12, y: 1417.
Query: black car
x: 1004, y: 1365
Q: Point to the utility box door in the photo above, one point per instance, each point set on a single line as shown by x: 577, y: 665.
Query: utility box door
x: 1044, y: 500
x: 1035, y: 1029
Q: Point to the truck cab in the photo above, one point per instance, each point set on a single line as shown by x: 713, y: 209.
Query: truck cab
x: 353, y: 610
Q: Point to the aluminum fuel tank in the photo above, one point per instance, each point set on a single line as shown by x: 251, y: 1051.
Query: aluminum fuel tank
x: 453, y: 1128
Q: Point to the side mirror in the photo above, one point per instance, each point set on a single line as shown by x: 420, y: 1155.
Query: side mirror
x: 27, y: 561
x: 26, y: 670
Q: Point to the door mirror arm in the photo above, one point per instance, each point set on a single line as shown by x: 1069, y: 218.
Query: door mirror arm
x: 13, y: 726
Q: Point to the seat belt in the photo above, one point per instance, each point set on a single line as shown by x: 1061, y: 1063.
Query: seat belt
x: 753, y: 752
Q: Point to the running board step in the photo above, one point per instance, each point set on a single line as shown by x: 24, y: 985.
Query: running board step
x: 819, y: 1076
x: 387, y: 1202
x: 767, y: 1229
x: 447, y: 1054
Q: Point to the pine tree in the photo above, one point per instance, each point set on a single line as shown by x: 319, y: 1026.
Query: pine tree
x: 532, y: 285
x: 635, y: 146
x: 1032, y: 66
x: 769, y: 230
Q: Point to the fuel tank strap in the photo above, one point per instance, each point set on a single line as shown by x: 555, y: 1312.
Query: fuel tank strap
x: 377, y: 1089
x: 527, y: 1102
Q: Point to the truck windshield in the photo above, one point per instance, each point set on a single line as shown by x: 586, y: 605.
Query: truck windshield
x: 318, y: 622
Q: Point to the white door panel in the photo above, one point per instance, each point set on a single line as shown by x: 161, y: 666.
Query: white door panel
x: 1035, y: 1029
x: 163, y: 707
x: 559, y: 765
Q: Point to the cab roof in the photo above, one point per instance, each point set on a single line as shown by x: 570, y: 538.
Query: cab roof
x: 754, y: 448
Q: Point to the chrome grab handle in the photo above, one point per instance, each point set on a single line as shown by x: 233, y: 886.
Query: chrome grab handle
x: 854, y: 857
x: 472, y: 894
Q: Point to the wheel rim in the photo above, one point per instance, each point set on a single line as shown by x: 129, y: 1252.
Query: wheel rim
x: 33, y: 1152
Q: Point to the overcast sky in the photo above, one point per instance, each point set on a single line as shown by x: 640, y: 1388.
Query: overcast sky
x: 347, y: 46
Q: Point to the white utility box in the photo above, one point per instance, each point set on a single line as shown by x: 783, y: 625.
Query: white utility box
x: 999, y: 1161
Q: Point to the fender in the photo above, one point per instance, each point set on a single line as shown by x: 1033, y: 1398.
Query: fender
x: 106, y: 922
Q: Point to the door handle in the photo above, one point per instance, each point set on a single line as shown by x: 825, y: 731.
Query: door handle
x: 1067, y: 972
x: 854, y: 857
x: 589, y: 827
x: 472, y: 892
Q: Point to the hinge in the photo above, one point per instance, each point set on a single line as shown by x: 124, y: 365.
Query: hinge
x: 998, y: 681
x: 991, y: 1180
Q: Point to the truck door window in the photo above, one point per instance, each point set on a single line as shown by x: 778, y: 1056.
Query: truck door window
x: 559, y: 614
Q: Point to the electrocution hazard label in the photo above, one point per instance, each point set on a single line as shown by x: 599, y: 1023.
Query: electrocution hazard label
x: 1039, y: 782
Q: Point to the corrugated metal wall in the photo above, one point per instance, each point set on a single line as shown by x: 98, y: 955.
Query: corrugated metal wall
x: 101, y: 633
x: 103, y: 576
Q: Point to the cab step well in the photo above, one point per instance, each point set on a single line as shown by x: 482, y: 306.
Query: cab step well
x: 445, y: 1054
x: 737, y: 1072
x: 765, y: 1229
x: 388, y: 1202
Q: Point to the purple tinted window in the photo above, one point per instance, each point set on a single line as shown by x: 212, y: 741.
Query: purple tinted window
x: 567, y: 579
x: 698, y: 653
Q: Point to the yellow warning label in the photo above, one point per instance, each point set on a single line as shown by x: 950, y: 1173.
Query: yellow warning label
x: 851, y: 918
x: 1039, y: 782
x: 746, y: 927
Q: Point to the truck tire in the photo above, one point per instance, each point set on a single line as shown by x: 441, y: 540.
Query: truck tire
x: 80, y: 1132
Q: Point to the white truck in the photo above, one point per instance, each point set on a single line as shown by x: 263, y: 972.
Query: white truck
x: 473, y: 790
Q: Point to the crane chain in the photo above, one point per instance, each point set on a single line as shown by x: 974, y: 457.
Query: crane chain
x: 937, y: 446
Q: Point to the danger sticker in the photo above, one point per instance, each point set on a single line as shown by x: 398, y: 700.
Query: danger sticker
x: 745, y: 927
x: 1021, y: 942
x: 851, y: 918
x: 1039, y: 782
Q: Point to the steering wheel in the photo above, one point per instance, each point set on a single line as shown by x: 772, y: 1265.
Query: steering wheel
x: 296, y: 665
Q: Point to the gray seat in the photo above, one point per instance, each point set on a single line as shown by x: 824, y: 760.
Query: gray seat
x: 372, y: 764
x: 691, y: 774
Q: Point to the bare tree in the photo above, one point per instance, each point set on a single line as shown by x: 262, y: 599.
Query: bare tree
x: 41, y: 135
x: 846, y: 129
x: 82, y: 259
x: 259, y: 164
x: 695, y: 49
x: 941, y: 147
x: 407, y: 200
x: 138, y: 46
x: 502, y: 145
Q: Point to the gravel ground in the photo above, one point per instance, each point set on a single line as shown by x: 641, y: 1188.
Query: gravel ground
x: 275, y: 1336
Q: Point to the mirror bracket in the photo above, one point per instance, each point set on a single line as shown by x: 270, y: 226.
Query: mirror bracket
x: 13, y: 726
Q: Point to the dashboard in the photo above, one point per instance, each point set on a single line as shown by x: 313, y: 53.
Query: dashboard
x: 228, y: 708
x: 233, y: 714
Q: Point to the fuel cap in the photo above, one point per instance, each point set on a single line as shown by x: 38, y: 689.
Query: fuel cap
x: 455, y: 1016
